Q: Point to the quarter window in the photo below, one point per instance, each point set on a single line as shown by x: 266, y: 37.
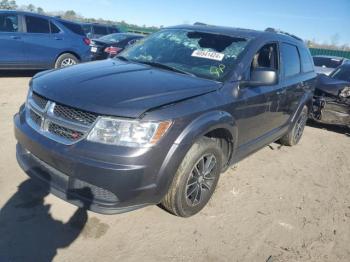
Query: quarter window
x: 37, y: 25
x: 8, y: 23
x: 290, y: 59
x: 306, y: 60
x: 54, y: 28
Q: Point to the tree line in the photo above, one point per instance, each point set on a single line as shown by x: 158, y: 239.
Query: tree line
x: 72, y: 15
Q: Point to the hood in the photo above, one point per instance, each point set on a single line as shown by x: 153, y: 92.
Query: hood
x: 113, y: 87
x: 323, y: 70
x: 330, y: 85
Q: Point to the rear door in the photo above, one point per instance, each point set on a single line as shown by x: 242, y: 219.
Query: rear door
x: 11, y: 48
x: 42, y: 47
x: 292, y: 79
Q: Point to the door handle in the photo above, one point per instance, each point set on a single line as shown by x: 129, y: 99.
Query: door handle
x: 58, y: 38
x: 15, y: 37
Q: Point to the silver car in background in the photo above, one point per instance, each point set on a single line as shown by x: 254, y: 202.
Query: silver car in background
x: 326, y: 64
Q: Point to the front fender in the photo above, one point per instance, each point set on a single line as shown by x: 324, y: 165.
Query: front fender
x: 197, y: 128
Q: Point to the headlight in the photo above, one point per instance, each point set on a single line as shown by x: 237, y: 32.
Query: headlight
x: 345, y: 92
x: 113, y: 131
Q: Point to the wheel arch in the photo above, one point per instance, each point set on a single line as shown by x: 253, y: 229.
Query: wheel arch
x: 216, y: 124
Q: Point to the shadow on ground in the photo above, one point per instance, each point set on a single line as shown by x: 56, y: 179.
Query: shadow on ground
x: 28, y: 232
x: 332, y: 128
x: 18, y: 73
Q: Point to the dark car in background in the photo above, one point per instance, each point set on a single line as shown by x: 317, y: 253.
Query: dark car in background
x: 326, y: 64
x: 332, y: 97
x: 94, y: 30
x: 162, y: 120
x: 33, y: 41
x: 111, y: 45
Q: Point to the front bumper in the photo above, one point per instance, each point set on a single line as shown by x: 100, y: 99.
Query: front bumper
x: 102, y: 178
x: 331, y: 111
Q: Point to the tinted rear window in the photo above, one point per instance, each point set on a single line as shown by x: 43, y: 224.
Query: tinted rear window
x: 75, y: 28
x: 37, y: 25
x: 100, y: 30
x: 290, y: 59
x: 306, y: 60
x: 327, y: 62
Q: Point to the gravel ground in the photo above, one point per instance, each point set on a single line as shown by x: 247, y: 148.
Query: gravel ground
x: 280, y: 204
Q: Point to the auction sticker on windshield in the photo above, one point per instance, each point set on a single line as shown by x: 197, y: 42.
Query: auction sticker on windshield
x: 208, y: 55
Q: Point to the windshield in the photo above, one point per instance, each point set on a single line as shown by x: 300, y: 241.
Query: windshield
x: 327, y: 62
x: 114, y: 37
x: 342, y: 73
x: 205, y: 55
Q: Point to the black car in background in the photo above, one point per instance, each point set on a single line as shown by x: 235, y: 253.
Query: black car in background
x: 98, y: 30
x: 332, y: 97
x: 111, y: 45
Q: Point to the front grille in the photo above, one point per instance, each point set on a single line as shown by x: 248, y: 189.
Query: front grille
x: 39, y: 100
x: 64, y: 132
x: 88, y: 190
x: 35, y: 117
x: 73, y: 114
x: 61, y: 123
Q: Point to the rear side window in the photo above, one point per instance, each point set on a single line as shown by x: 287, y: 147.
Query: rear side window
x: 75, y: 28
x: 306, y: 60
x: 100, y: 30
x: 290, y: 59
x: 37, y: 25
x: 8, y: 23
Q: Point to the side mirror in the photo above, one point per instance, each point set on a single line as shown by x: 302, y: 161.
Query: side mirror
x: 262, y: 77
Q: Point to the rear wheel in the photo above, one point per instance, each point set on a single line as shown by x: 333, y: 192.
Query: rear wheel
x: 293, y: 136
x: 196, y: 179
x: 65, y: 60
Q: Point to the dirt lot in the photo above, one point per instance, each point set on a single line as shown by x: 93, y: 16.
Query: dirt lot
x: 281, y: 204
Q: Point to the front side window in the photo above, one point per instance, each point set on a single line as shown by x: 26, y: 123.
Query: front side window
x: 266, y: 57
x: 290, y: 59
x: 8, y: 23
x: 37, y: 25
x: 207, y: 55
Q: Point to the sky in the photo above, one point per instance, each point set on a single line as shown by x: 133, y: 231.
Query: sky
x: 320, y: 20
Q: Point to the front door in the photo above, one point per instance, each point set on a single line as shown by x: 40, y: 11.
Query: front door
x: 11, y: 48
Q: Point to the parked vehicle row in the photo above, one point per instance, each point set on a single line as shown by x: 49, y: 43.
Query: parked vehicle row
x: 332, y: 97
x: 110, y: 45
x: 162, y: 120
x: 32, y: 41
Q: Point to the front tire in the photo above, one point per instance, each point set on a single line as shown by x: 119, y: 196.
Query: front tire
x: 65, y: 60
x: 294, y: 135
x: 195, y: 179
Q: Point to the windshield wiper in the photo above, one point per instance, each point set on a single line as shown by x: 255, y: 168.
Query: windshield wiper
x: 163, y: 66
x: 123, y: 58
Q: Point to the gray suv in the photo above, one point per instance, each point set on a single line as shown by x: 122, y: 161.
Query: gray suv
x: 160, y: 122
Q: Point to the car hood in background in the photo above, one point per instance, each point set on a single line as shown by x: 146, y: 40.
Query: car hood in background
x: 330, y: 85
x: 323, y: 70
x: 113, y: 87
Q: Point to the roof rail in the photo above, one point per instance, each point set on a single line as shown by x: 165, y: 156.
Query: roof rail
x: 277, y: 31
